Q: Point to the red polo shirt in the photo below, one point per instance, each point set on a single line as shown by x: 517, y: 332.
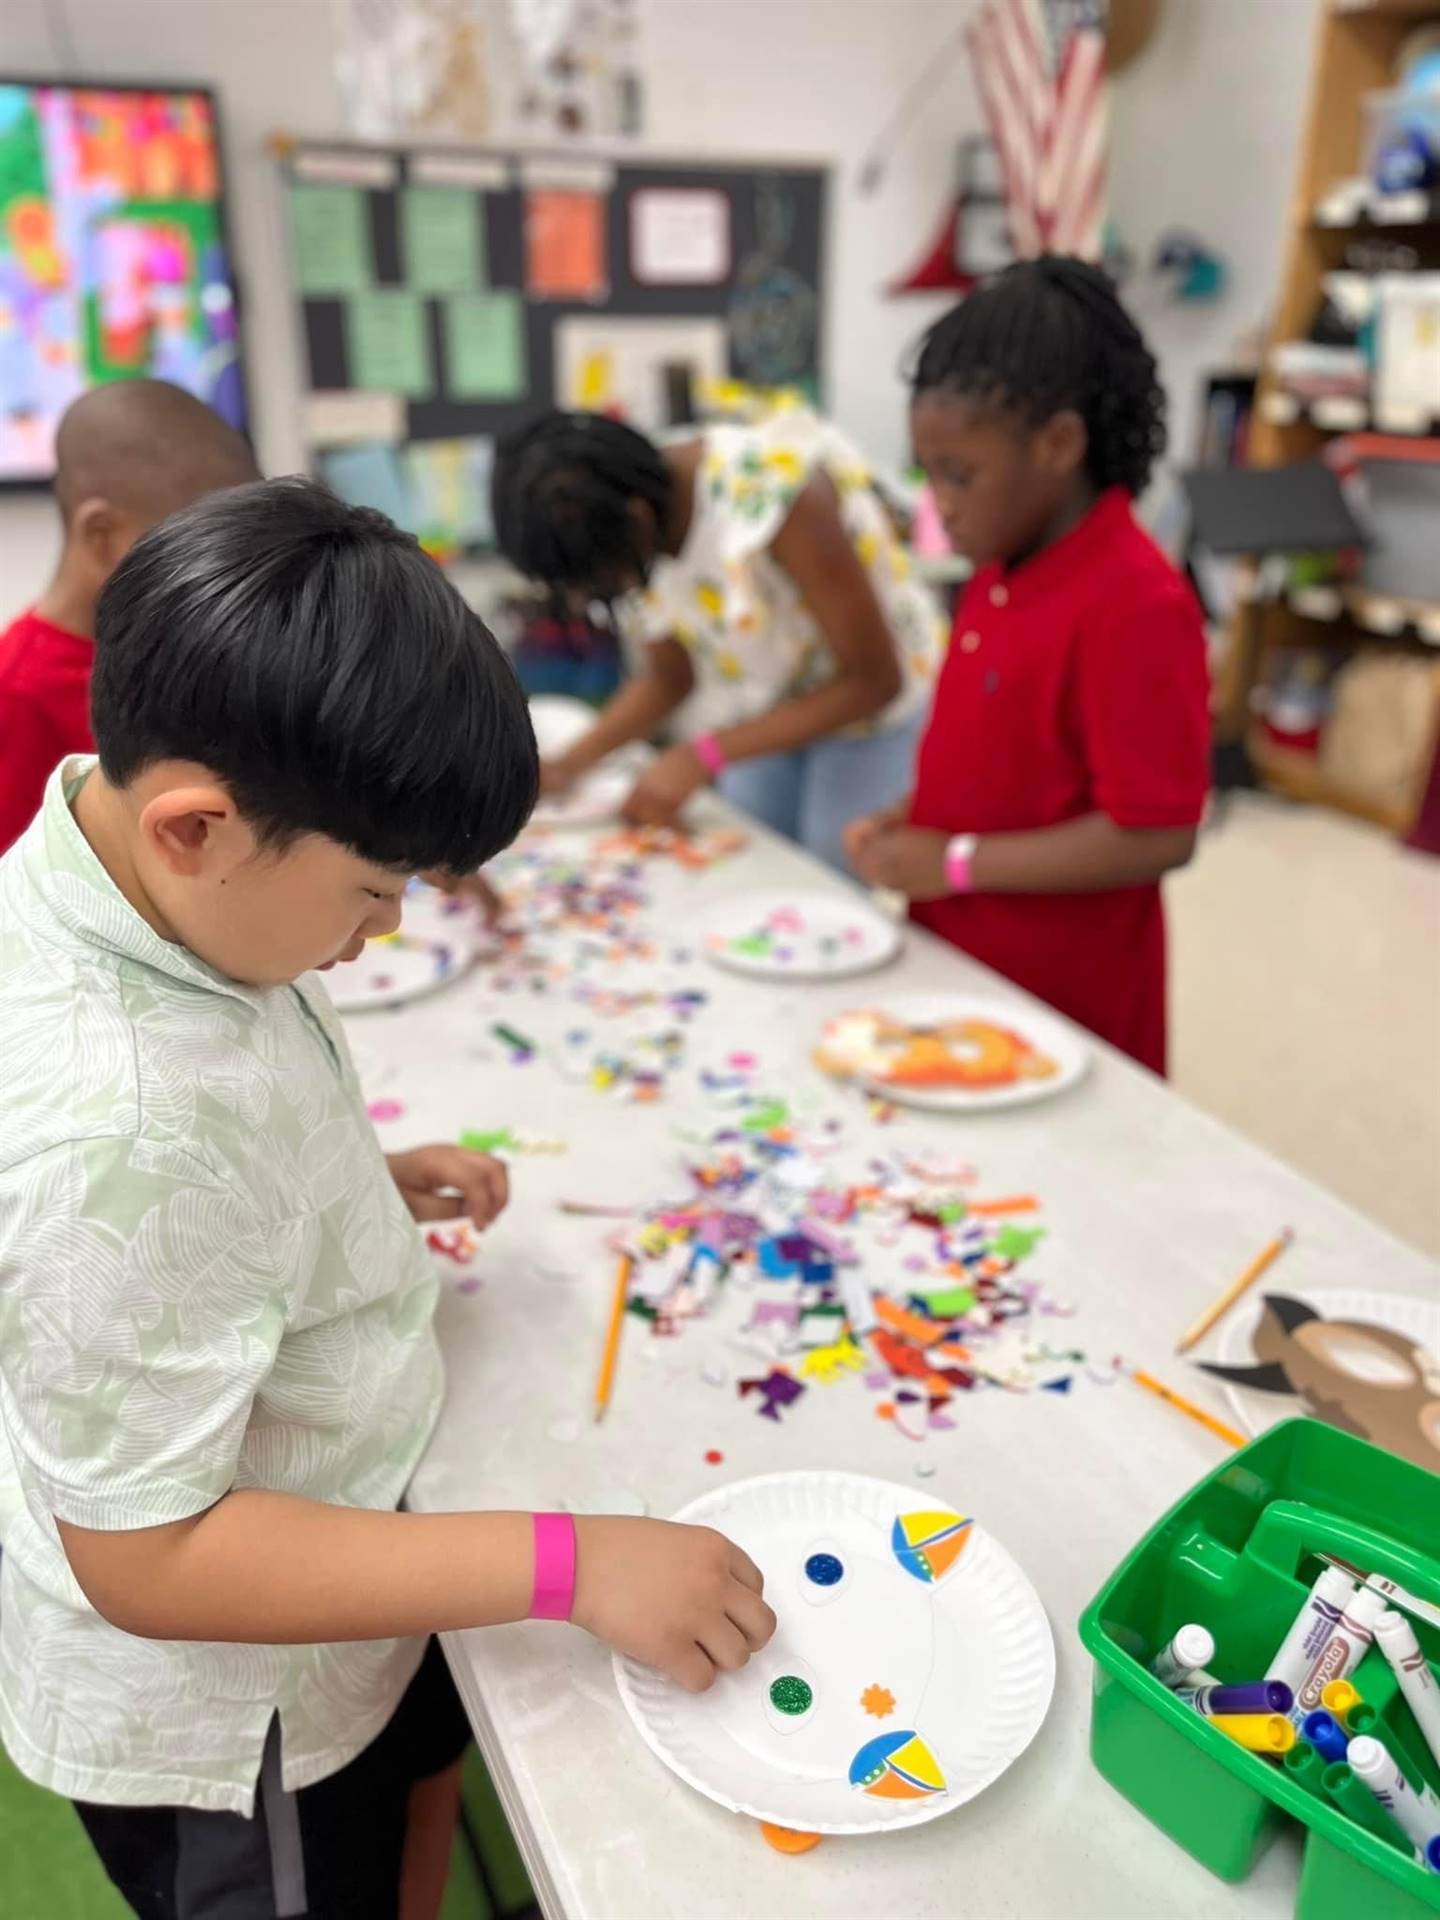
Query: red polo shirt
x: 1074, y: 684
x: 44, y: 713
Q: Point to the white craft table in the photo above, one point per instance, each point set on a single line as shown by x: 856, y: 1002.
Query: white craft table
x: 1151, y: 1207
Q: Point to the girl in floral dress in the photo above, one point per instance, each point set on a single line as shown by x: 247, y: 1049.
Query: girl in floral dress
x: 759, y: 585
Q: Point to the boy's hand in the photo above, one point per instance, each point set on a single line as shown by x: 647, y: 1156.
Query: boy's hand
x: 451, y: 1183
x: 683, y: 1599
x: 559, y: 775
x: 469, y: 886
x: 663, y: 788
x: 865, y: 831
x: 908, y: 860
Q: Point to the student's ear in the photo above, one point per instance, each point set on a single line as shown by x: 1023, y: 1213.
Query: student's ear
x: 642, y: 518
x: 192, y: 829
x: 103, y: 534
x: 1061, y: 443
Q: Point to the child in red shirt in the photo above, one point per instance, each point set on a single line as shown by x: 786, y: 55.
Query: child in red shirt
x: 1065, y: 765
x: 126, y: 454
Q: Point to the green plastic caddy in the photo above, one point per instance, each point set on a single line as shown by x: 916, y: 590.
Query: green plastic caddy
x: 1238, y: 1554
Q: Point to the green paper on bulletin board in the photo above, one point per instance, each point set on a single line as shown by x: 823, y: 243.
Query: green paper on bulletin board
x: 331, y: 234
x: 443, y: 239
x: 485, y: 347
x: 388, y: 340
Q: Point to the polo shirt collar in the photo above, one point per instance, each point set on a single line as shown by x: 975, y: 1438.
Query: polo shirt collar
x: 1074, y: 553
x: 69, y: 891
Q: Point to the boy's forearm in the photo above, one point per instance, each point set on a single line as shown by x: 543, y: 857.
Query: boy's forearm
x: 274, y: 1569
x: 1088, y: 855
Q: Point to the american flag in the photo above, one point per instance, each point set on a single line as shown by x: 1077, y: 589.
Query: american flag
x: 1047, y: 118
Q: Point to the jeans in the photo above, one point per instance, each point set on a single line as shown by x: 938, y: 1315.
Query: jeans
x: 812, y: 794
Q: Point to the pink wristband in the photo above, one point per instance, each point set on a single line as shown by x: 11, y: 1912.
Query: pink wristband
x: 958, y: 854
x: 710, y: 754
x: 554, y: 1595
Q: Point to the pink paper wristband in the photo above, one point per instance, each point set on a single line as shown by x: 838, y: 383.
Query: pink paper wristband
x: 710, y: 754
x: 554, y: 1595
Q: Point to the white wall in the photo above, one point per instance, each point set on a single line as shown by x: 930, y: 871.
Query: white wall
x: 1205, y: 135
x: 1205, y: 130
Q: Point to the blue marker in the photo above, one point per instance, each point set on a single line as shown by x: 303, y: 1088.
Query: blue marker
x: 1326, y: 1735
x: 1432, y: 1854
x: 1254, y: 1696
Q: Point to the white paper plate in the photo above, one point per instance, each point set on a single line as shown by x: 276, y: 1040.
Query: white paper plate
x: 961, y: 1665
x: 592, y: 802
x: 1408, y: 1314
x: 559, y: 722
x: 1055, y: 1043
x: 798, y: 936
x: 438, y: 940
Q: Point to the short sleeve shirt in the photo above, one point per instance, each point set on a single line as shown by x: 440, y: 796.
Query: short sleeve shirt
x: 208, y: 1281
x: 751, y: 639
x: 1075, y: 683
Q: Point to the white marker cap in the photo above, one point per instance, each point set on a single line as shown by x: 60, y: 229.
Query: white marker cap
x: 1368, y: 1758
x: 1193, y: 1646
x: 1367, y: 1609
x: 1393, y: 1625
x: 1335, y: 1585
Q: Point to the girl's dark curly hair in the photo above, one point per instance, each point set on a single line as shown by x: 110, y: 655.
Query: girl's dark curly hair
x: 562, y: 489
x: 1049, y: 334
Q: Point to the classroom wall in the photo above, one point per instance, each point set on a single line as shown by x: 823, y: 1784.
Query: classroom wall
x: 1201, y: 136
x: 1205, y: 134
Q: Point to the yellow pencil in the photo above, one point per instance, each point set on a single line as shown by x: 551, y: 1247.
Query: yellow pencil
x: 611, y: 1353
x: 1181, y: 1405
x: 1233, y: 1292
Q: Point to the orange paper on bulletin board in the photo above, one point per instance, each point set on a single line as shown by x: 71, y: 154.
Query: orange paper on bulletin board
x: 565, y: 245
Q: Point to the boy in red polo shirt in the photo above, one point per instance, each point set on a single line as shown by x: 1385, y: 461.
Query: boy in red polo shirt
x: 126, y: 455
x: 1065, y: 766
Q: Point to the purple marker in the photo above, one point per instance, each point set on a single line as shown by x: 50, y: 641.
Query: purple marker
x: 1253, y: 1696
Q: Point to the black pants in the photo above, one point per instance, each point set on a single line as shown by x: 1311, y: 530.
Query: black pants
x: 329, y: 1852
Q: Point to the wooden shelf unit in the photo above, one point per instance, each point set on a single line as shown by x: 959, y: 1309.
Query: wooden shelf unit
x: 1355, y: 47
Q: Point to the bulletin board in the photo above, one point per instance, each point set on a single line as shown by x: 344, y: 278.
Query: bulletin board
x: 446, y: 294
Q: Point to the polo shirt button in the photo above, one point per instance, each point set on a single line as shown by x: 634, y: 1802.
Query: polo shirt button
x: 969, y: 641
x: 999, y: 596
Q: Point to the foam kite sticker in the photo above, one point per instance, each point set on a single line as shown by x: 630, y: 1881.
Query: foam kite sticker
x: 896, y: 1766
x: 927, y: 1545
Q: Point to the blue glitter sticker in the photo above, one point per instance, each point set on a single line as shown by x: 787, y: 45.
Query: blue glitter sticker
x: 824, y: 1569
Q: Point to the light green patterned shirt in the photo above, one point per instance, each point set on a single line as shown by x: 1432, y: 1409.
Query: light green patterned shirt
x: 208, y: 1280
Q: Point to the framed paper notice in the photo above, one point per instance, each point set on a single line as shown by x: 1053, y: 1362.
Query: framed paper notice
x: 680, y: 236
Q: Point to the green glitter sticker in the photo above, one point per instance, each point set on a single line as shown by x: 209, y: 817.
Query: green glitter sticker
x: 791, y: 1694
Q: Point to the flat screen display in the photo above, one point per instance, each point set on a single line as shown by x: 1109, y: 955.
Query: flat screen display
x: 113, y: 256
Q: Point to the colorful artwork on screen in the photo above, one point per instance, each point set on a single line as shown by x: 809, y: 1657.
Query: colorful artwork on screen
x: 112, y: 256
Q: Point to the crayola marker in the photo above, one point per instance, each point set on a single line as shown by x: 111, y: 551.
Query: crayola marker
x: 1349, y: 1640
x: 1271, y: 1733
x: 1418, y: 1814
x: 1312, y: 1628
x: 1341, y: 1698
x: 1190, y: 1647
x: 1305, y: 1767
x: 1326, y: 1735
x: 1417, y: 1682
x: 1251, y: 1696
x: 1357, y: 1803
x: 1432, y: 1855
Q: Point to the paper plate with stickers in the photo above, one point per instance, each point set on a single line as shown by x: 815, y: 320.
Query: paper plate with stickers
x: 799, y: 936
x: 439, y: 939
x: 953, y: 1053
x: 911, y: 1666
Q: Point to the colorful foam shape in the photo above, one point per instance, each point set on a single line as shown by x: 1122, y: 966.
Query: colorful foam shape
x: 928, y: 1544
x: 896, y: 1766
